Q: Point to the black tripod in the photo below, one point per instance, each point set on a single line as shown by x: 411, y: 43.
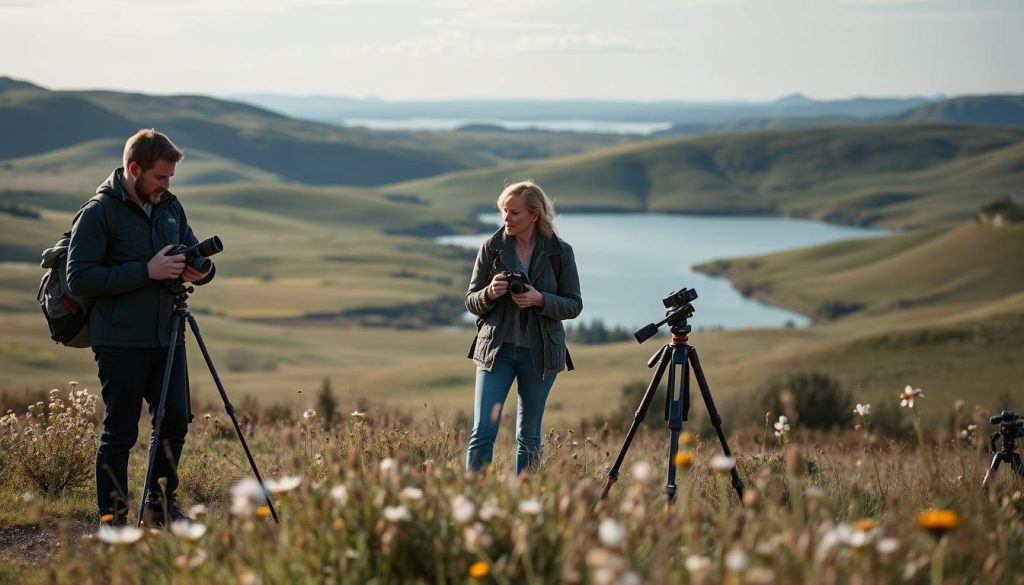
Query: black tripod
x: 1010, y: 429
x: 182, y: 314
x: 675, y: 356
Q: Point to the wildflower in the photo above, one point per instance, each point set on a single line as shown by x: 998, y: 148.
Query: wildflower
x: 397, y: 513
x: 339, y: 494
x: 862, y: 409
x: 476, y: 538
x: 283, y: 485
x: 864, y: 525
x: 463, y: 509
x: 28, y: 497
x: 687, y: 439
x: 887, y: 546
x: 185, y: 530
x: 697, y: 565
x: 611, y: 533
x: 968, y: 433
x: 106, y: 518
x: 388, y: 465
x: 938, y: 521
x: 782, y: 427
x: 736, y: 560
x: 530, y: 507
x: 490, y: 510
x: 908, y: 395
x: 411, y: 494
x: 684, y: 459
x: 479, y: 570
x: 722, y: 464
x: 309, y: 414
x: 124, y: 535
x: 246, y: 495
x: 248, y: 576
x: 263, y: 511
x: 357, y: 414
x: 197, y: 511
x: 642, y: 472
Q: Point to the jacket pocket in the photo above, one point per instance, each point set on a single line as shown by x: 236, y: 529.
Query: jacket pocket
x: 554, y: 350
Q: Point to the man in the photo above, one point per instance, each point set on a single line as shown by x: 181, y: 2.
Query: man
x: 124, y: 268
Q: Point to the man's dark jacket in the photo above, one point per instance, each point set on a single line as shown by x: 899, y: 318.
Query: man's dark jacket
x: 129, y: 309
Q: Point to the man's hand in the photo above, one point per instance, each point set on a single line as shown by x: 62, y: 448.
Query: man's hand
x: 161, y: 267
x: 498, y: 287
x: 531, y: 297
x: 191, y: 274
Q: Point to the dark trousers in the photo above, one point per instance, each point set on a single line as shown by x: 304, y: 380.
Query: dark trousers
x: 127, y: 376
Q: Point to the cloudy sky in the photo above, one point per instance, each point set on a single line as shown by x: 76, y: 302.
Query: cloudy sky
x: 442, y: 49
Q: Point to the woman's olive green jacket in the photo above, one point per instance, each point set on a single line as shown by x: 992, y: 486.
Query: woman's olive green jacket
x: 553, y: 273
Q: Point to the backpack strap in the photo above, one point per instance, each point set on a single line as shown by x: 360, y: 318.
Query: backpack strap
x: 107, y: 202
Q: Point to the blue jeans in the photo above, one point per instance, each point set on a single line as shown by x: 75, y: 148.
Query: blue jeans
x: 492, y: 388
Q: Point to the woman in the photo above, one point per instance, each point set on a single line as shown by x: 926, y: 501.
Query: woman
x: 520, y: 333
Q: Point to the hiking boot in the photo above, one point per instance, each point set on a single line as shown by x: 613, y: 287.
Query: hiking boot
x: 155, y: 516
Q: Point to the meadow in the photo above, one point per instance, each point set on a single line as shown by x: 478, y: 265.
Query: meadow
x: 371, y: 496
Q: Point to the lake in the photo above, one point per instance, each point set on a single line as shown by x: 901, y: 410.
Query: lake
x: 628, y: 262
x: 449, y: 124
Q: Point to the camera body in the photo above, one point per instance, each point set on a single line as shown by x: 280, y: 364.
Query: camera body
x: 517, y: 281
x: 679, y: 298
x: 197, y: 256
x: 1010, y: 424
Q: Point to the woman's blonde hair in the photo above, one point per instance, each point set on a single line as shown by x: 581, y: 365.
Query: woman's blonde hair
x: 537, y: 201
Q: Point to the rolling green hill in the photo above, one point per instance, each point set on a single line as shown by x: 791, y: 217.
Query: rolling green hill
x: 995, y: 110
x: 886, y: 175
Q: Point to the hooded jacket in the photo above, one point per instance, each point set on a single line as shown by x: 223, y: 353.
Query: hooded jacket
x: 543, y: 333
x: 129, y: 309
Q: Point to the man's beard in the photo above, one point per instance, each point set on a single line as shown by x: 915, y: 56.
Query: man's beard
x: 152, y: 197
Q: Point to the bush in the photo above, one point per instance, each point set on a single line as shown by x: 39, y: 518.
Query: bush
x: 53, y: 447
x: 812, y: 399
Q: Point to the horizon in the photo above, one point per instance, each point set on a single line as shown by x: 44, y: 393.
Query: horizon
x: 704, y: 51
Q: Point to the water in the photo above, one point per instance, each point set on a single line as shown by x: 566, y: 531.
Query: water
x: 448, y: 124
x: 629, y: 262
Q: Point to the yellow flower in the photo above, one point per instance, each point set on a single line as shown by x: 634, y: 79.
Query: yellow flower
x: 938, y: 522
x: 106, y: 518
x: 479, y: 570
x: 864, y: 525
x: 684, y: 459
x: 263, y: 511
x: 687, y: 438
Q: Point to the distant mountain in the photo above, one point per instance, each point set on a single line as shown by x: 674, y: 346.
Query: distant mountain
x: 758, y: 124
x: 339, y: 109
x: 995, y: 110
x: 7, y: 83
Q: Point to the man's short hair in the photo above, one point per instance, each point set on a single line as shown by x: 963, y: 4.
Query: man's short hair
x: 148, y: 146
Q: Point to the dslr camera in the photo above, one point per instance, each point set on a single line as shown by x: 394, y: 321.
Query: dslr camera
x: 197, y: 256
x: 1011, y: 425
x: 517, y: 281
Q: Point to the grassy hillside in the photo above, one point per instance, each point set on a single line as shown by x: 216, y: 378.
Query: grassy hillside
x: 967, y: 264
x: 894, y: 176
x: 995, y: 110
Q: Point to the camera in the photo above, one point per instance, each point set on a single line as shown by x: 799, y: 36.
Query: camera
x: 197, y: 256
x: 517, y: 281
x: 679, y: 298
x: 678, y: 310
x: 1010, y: 424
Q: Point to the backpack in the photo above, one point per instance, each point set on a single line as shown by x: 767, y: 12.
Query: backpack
x: 67, y: 314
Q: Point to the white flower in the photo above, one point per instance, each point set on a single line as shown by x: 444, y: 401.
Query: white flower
x: 28, y: 497
x: 782, y: 427
x: 463, y: 509
x: 887, y: 546
x: 476, y: 538
x: 283, y: 485
x: 722, y: 463
x: 411, y: 494
x: 119, y: 535
x: 358, y: 414
x: 736, y: 561
x: 186, y: 530
x: 246, y: 495
x: 397, y: 513
x: 862, y: 409
x: 388, y: 465
x: 908, y: 395
x: 339, y: 494
x: 490, y: 510
x: 530, y: 507
x: 310, y: 413
x: 642, y: 472
x: 197, y: 511
x: 697, y: 565
x: 611, y: 533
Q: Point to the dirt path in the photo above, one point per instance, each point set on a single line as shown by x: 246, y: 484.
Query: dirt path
x: 35, y: 543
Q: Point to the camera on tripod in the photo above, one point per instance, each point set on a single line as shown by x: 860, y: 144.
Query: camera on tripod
x: 197, y: 256
x: 679, y: 308
x: 517, y: 281
x: 1011, y: 425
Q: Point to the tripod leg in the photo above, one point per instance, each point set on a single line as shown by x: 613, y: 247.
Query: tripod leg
x: 229, y: 408
x: 641, y: 412
x: 677, y: 407
x: 158, y: 415
x: 1018, y: 465
x: 716, y: 419
x: 996, y: 460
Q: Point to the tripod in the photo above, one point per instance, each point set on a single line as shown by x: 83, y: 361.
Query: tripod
x: 182, y: 314
x: 1005, y: 455
x: 675, y: 356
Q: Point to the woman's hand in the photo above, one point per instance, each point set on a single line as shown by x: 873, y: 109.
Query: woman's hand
x: 531, y: 297
x: 497, y: 288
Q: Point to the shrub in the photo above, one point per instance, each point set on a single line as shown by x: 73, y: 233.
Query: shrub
x: 53, y: 447
x: 813, y: 399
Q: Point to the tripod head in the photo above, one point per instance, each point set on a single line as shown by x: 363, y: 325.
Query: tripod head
x: 679, y: 308
x: 1011, y: 428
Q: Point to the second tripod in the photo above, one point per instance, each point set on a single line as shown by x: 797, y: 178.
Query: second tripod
x: 677, y: 357
x: 181, y: 315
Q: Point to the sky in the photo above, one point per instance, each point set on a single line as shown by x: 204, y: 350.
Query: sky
x: 700, y: 50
